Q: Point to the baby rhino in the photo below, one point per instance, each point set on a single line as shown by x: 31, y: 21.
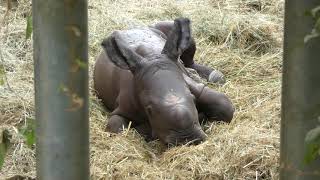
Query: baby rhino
x: 140, y: 78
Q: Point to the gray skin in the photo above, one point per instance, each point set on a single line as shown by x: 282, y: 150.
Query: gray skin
x: 140, y: 79
x: 187, y: 56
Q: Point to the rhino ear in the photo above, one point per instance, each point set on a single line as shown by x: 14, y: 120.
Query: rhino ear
x: 120, y: 54
x: 179, y: 39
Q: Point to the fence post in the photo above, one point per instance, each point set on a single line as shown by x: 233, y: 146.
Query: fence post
x: 61, y: 88
x: 300, y: 91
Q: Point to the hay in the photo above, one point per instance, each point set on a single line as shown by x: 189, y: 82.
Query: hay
x: 240, y: 38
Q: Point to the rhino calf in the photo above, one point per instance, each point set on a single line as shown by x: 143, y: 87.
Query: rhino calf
x: 140, y: 78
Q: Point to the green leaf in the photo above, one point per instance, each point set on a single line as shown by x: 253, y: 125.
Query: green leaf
x: 312, y: 141
x: 3, y: 152
x: 310, y: 36
x: 317, y: 26
x: 315, y: 10
x: 4, y: 145
x: 1, y: 75
x: 28, y: 132
x: 29, y: 27
x: 81, y: 64
x: 308, y: 13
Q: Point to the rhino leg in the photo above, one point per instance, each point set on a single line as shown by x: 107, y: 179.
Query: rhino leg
x: 215, y: 105
x: 145, y: 131
x: 202, y: 117
x: 116, y: 124
x: 211, y: 105
x: 210, y: 74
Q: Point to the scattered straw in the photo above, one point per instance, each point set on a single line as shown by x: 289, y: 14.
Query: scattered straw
x: 241, y: 38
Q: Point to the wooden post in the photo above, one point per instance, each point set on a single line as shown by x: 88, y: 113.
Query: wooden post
x: 300, y: 91
x: 61, y: 88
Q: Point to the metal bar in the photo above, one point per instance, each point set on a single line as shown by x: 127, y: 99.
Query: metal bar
x: 61, y: 88
x: 300, y: 91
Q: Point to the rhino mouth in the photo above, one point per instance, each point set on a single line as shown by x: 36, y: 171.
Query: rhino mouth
x: 190, y: 136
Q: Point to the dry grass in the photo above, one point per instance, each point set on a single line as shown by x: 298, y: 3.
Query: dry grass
x: 242, y: 38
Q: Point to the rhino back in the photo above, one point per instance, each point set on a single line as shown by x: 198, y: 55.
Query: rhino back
x: 144, y: 41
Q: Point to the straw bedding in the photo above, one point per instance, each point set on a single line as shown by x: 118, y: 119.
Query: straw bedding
x: 241, y: 38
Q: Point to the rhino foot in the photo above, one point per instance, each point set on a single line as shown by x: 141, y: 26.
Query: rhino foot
x: 116, y: 124
x: 216, y: 77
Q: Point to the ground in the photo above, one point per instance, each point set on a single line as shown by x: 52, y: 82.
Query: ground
x: 241, y: 38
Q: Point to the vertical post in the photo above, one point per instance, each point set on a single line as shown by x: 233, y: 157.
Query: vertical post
x: 300, y: 91
x: 61, y: 89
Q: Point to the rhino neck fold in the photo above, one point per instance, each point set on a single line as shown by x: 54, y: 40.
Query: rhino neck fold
x: 136, y: 102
